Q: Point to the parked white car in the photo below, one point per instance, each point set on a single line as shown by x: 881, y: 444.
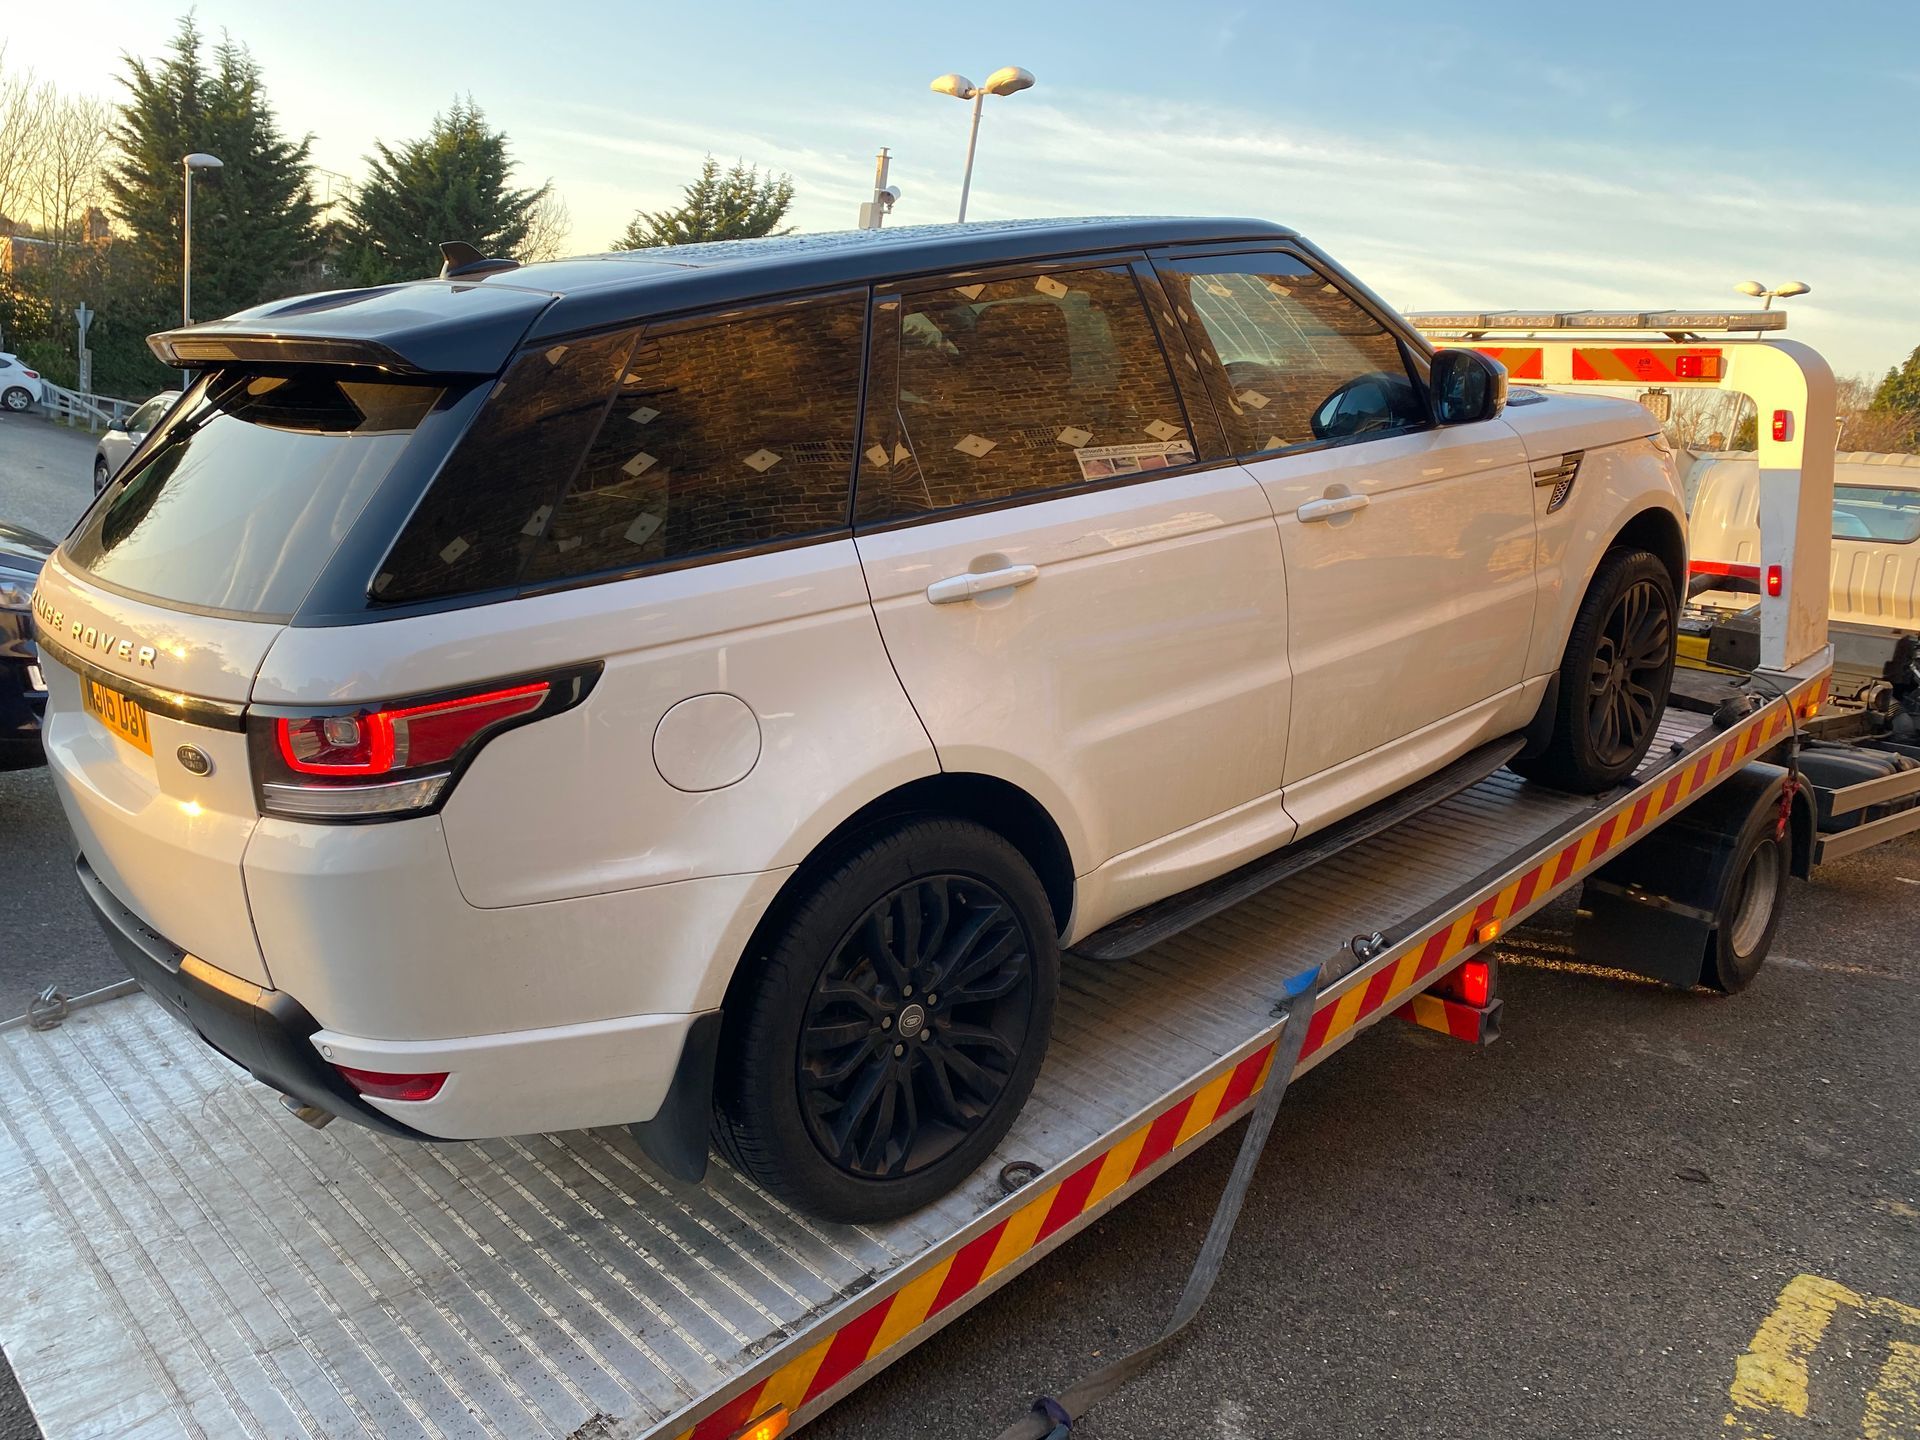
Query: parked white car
x: 1875, y: 569
x: 611, y: 689
x: 123, y: 439
x: 21, y: 387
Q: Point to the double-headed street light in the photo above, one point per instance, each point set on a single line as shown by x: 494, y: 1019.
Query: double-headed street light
x: 188, y: 164
x: 1007, y: 80
x: 1756, y: 290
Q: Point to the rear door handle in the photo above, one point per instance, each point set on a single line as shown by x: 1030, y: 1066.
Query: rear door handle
x: 977, y: 582
x: 1330, y: 506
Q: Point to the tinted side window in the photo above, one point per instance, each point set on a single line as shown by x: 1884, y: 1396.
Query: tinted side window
x: 720, y: 438
x: 1020, y: 386
x: 1290, y: 357
x: 476, y: 527
x: 606, y: 455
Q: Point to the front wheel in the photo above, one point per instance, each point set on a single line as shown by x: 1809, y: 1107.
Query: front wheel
x: 894, y: 1029
x: 1614, y: 677
x: 100, y: 475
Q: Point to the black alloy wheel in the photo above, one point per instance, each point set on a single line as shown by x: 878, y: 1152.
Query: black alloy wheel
x: 1627, y: 680
x: 889, y: 1023
x: 914, y: 1029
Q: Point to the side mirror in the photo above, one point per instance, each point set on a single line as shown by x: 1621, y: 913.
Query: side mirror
x: 1467, y: 386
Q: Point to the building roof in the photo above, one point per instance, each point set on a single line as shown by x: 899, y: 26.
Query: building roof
x: 472, y: 325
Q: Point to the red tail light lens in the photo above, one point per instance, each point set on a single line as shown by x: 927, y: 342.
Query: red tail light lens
x: 380, y: 1085
x: 1471, y: 984
x: 399, y: 758
x: 374, y: 742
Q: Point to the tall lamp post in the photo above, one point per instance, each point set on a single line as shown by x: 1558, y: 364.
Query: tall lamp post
x: 1007, y: 80
x: 1756, y: 290
x: 188, y: 164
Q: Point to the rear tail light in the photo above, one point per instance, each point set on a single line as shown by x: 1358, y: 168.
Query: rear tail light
x: 381, y: 1085
x: 395, y: 758
x: 32, y: 374
x: 1471, y: 984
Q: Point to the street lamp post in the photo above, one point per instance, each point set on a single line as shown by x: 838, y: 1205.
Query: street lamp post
x: 1007, y: 80
x: 199, y: 160
x: 1756, y: 290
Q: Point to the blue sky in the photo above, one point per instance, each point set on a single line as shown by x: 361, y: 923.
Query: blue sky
x: 1497, y: 156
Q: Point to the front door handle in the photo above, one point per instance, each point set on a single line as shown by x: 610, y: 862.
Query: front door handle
x: 1330, y: 506
x: 977, y: 582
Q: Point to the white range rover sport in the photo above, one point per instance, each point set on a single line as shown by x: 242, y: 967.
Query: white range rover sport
x: 707, y: 688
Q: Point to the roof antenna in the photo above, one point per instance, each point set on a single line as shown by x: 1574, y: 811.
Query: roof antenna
x: 459, y: 258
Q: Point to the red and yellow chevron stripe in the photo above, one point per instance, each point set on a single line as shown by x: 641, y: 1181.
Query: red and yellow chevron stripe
x: 1523, y: 362
x: 892, y: 1319
x: 1648, y: 364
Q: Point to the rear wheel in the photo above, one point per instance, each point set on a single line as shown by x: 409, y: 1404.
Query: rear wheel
x: 100, y: 475
x: 895, y: 1028
x: 1751, y: 910
x: 17, y: 399
x: 1614, y: 677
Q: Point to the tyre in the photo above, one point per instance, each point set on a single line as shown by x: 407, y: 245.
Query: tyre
x: 1750, y: 912
x: 1614, y: 677
x: 17, y: 399
x: 894, y: 1027
x: 100, y: 474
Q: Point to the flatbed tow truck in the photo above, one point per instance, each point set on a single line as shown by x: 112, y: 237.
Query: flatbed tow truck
x: 183, y: 1260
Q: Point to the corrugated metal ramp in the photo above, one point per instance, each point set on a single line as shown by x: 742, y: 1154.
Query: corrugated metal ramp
x: 181, y: 1258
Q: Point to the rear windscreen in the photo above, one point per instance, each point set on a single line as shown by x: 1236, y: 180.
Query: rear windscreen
x: 1866, y: 512
x: 240, y: 503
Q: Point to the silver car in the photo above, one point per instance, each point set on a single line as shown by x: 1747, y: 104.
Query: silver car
x: 123, y: 439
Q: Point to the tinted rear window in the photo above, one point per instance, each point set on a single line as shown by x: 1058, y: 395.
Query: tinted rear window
x: 250, y: 490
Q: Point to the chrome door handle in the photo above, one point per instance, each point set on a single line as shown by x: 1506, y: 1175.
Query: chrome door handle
x: 1330, y: 506
x: 977, y: 582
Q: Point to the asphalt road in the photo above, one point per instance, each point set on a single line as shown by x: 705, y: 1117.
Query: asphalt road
x: 1574, y: 1232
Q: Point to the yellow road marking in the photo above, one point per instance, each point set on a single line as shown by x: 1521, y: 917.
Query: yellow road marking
x: 1770, y: 1379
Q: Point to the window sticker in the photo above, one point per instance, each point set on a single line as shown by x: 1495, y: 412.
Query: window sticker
x: 1073, y: 435
x: 645, y: 415
x: 761, y: 460
x: 1047, y: 285
x: 556, y: 354
x: 1161, y: 430
x: 1253, y: 399
x: 640, y: 464
x: 878, y: 455
x: 972, y: 292
x: 1274, y: 442
x: 537, y: 521
x: 975, y: 445
x: 1104, y: 462
x: 643, y: 527
x: 454, y: 549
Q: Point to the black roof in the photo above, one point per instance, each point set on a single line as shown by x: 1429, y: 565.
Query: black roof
x: 472, y: 326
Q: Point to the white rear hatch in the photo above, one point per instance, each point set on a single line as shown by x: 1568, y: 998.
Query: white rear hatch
x: 157, y: 612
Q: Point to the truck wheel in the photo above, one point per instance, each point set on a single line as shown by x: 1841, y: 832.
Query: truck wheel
x: 896, y: 1025
x: 1614, y: 677
x: 1750, y: 913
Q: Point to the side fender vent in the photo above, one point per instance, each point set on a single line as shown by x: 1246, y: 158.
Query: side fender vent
x: 1558, y: 475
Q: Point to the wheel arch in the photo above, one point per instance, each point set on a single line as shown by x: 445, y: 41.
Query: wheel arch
x: 987, y: 800
x: 1658, y: 532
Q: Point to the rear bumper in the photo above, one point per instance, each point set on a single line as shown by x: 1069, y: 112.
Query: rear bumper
x: 266, y: 1032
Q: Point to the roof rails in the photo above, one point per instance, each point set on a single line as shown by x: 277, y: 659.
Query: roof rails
x: 1675, y: 324
x: 461, y: 259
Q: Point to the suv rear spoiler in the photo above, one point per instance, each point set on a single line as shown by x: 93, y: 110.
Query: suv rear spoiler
x: 423, y: 327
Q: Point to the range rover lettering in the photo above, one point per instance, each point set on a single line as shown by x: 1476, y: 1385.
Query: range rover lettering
x: 707, y: 689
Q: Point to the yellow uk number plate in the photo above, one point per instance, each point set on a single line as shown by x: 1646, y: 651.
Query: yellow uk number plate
x: 118, y: 714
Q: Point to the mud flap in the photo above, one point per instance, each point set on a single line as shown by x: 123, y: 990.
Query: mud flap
x: 675, y: 1139
x: 1652, y: 911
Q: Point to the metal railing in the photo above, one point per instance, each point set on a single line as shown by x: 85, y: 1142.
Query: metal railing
x: 73, y: 407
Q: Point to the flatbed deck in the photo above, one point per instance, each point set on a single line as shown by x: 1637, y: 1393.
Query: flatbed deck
x: 183, y: 1259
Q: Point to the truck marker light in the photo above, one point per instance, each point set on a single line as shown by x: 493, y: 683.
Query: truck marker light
x: 1774, y: 580
x: 1782, y: 424
x: 769, y: 1425
x: 1490, y: 930
x: 380, y: 1085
